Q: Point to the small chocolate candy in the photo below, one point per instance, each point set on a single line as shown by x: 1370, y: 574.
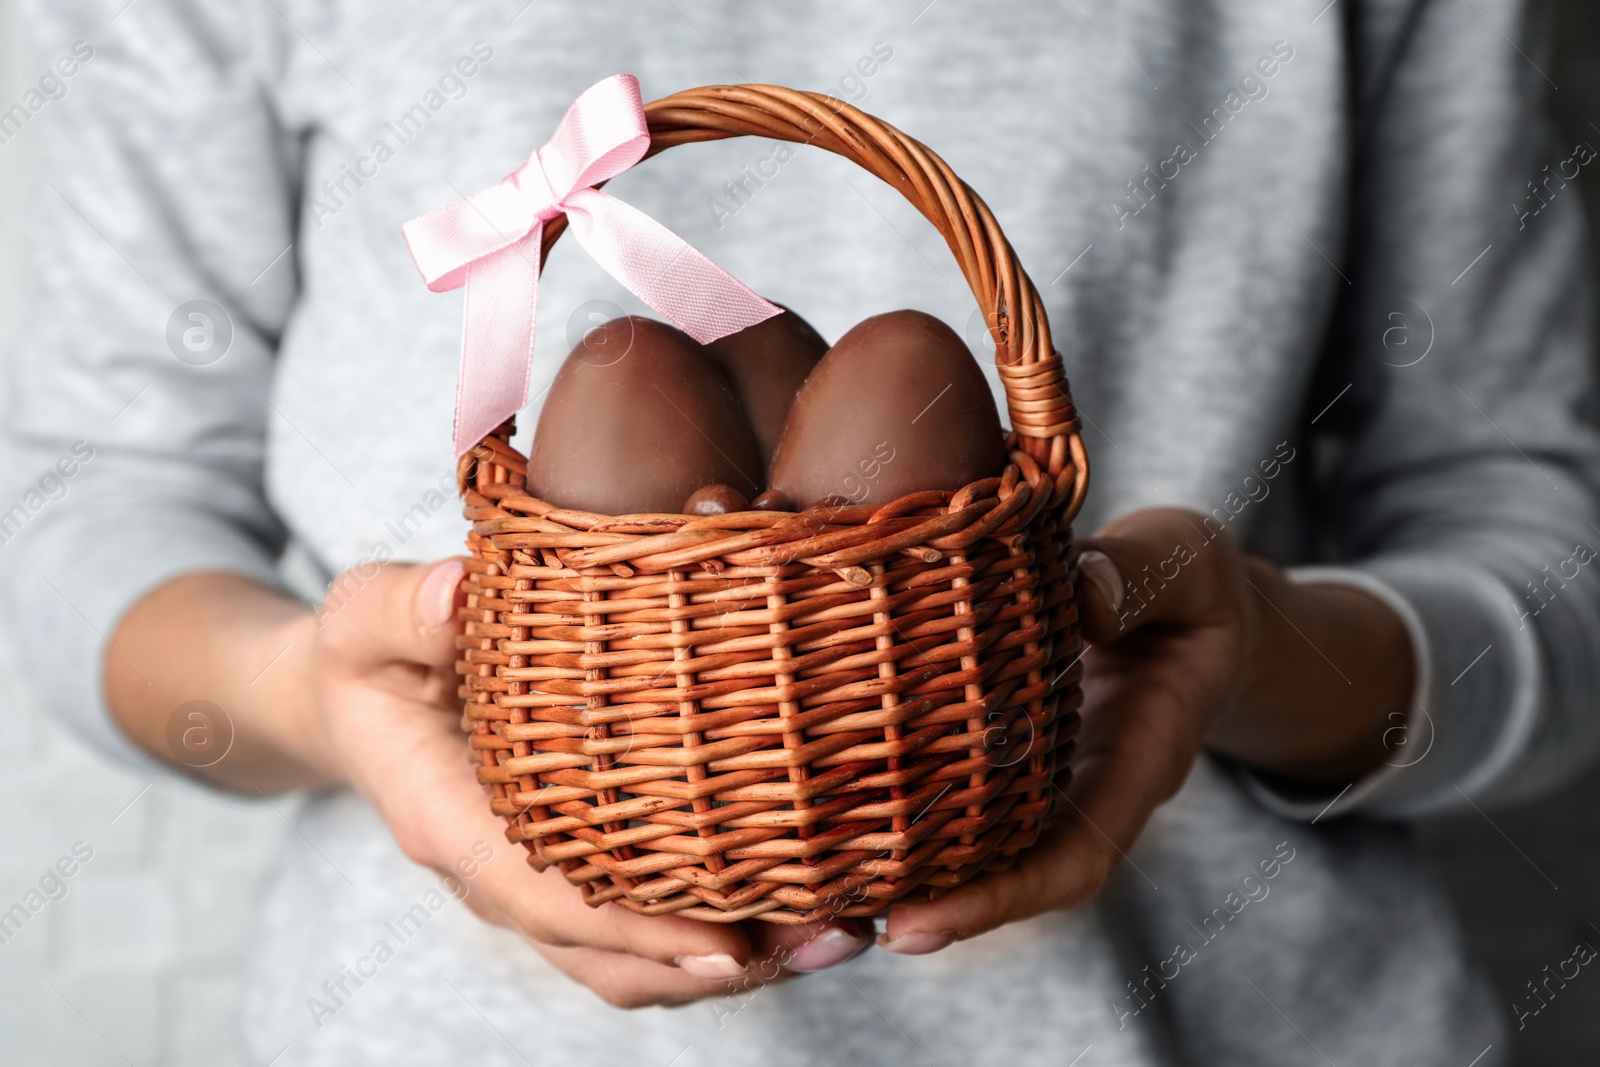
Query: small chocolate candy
x: 772, y: 500
x: 715, y: 500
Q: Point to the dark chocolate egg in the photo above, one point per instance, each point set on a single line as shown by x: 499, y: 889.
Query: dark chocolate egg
x: 897, y: 406
x: 637, y: 419
x: 715, y: 500
x: 766, y: 365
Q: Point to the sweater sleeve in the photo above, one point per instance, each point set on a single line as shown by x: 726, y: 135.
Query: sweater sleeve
x: 163, y: 272
x: 1462, y: 470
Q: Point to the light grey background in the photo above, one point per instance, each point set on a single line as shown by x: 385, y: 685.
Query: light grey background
x: 139, y: 962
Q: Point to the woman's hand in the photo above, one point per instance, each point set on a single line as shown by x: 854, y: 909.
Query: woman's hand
x: 364, y: 694
x: 384, y: 671
x: 1194, y: 644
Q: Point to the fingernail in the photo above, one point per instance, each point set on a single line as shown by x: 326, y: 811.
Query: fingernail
x: 828, y: 949
x: 915, y: 944
x: 436, y: 599
x: 716, y: 968
x: 1104, y: 574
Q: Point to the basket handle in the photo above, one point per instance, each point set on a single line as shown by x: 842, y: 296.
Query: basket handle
x: 1038, y: 398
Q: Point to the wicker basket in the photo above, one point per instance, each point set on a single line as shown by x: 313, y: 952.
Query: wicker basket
x: 788, y: 716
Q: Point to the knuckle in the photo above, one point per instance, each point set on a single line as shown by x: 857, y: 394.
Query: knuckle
x: 552, y: 931
x: 482, y: 909
x: 552, y: 936
x: 1097, y: 874
x: 619, y: 993
x: 335, y: 633
x: 414, y: 847
x: 361, y: 592
x: 634, y: 942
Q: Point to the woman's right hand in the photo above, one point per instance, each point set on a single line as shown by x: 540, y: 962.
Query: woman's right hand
x: 366, y: 696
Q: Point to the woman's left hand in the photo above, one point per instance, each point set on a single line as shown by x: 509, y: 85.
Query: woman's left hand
x: 1194, y: 644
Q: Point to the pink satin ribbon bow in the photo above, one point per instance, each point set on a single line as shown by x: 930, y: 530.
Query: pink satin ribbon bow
x: 489, y: 243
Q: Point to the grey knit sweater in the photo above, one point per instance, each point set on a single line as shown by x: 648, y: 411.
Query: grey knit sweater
x: 1325, y: 241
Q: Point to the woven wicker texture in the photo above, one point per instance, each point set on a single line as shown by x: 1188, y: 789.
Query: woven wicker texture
x: 788, y: 716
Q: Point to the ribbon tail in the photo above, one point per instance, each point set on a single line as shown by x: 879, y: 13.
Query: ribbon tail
x: 445, y: 242
x: 662, y: 269
x: 497, y: 319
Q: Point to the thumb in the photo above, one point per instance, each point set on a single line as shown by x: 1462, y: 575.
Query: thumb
x: 1153, y: 567
x: 404, y: 613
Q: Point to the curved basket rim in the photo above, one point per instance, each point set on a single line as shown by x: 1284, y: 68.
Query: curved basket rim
x: 930, y: 523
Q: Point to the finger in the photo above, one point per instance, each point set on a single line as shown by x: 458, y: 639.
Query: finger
x: 1064, y: 868
x: 805, y: 948
x: 404, y: 613
x: 715, y: 951
x: 545, y: 907
x: 1067, y: 867
x: 1158, y: 566
x: 629, y: 982
x: 439, y: 820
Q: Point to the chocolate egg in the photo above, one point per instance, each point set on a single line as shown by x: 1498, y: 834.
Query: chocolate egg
x: 715, y: 500
x: 637, y: 419
x: 766, y: 365
x: 897, y: 406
